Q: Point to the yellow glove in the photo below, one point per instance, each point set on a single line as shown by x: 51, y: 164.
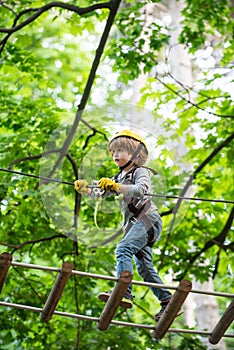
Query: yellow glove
x: 108, y: 185
x: 81, y: 186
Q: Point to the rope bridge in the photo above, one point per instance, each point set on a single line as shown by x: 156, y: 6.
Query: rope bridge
x: 121, y: 285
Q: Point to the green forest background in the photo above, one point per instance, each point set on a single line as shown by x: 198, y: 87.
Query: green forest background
x: 68, y: 71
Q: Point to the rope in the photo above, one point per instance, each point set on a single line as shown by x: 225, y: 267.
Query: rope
x: 193, y: 198
x: 149, y: 194
x: 95, y: 319
x: 118, y: 323
x: 36, y: 176
x: 114, y: 279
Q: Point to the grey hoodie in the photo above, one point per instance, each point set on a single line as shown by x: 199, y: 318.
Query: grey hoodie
x: 139, y: 183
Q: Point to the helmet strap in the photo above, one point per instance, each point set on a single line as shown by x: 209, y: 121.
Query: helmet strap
x: 133, y: 157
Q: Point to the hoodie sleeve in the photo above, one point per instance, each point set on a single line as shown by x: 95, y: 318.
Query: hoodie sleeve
x: 141, y: 183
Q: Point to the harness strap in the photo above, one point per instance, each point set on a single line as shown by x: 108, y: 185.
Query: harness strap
x: 150, y: 231
x: 140, y: 214
x: 138, y: 211
x: 148, y: 224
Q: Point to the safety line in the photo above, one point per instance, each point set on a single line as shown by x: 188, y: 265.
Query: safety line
x: 118, y: 323
x: 36, y: 176
x: 193, y: 198
x: 149, y: 194
x: 114, y: 279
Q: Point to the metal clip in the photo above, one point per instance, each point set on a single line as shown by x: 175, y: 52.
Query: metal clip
x: 96, y: 191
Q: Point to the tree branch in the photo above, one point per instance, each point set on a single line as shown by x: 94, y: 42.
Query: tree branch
x: 189, y: 101
x: 218, y: 240
x: 94, y: 129
x: 114, y: 8
x: 37, y: 156
x: 34, y: 241
x: 186, y: 187
x: 3, y: 4
x: 39, y: 11
x: 177, y: 93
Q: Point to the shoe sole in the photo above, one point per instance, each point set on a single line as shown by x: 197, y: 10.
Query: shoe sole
x: 124, y: 304
x: 178, y: 314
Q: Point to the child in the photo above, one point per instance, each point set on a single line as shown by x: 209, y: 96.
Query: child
x: 142, y: 222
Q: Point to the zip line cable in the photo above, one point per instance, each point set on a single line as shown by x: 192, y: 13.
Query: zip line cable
x: 149, y: 194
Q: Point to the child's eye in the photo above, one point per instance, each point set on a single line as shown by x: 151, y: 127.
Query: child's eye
x: 118, y: 150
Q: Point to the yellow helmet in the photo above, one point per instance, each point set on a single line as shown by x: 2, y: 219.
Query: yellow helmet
x: 128, y: 133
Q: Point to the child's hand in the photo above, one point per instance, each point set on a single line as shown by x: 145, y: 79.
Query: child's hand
x: 108, y: 185
x: 81, y: 186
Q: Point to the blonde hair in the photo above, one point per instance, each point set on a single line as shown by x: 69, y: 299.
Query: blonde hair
x: 130, y: 145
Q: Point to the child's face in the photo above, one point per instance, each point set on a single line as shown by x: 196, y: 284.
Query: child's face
x: 120, y: 156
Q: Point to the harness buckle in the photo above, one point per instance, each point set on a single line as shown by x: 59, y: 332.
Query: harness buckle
x: 133, y: 220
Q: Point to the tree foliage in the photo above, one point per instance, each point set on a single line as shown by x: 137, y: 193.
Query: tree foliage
x: 65, y: 71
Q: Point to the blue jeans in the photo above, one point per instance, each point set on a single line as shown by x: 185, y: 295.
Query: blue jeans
x: 134, y: 241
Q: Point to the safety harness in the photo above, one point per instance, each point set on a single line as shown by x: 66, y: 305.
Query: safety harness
x: 139, y: 214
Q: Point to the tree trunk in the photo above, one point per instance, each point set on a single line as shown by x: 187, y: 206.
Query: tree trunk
x: 143, y: 118
x: 179, y: 60
x: 181, y: 68
x: 207, y: 312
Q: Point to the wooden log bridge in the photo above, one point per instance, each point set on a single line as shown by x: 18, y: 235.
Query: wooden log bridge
x: 56, y: 292
x: 223, y: 324
x: 172, y: 309
x: 5, y: 263
x: 114, y: 300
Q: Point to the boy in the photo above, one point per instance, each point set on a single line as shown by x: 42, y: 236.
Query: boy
x: 142, y: 222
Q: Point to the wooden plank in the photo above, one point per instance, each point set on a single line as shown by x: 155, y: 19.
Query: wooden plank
x: 5, y: 263
x: 223, y: 324
x: 56, y: 292
x: 114, y: 300
x: 172, y: 309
